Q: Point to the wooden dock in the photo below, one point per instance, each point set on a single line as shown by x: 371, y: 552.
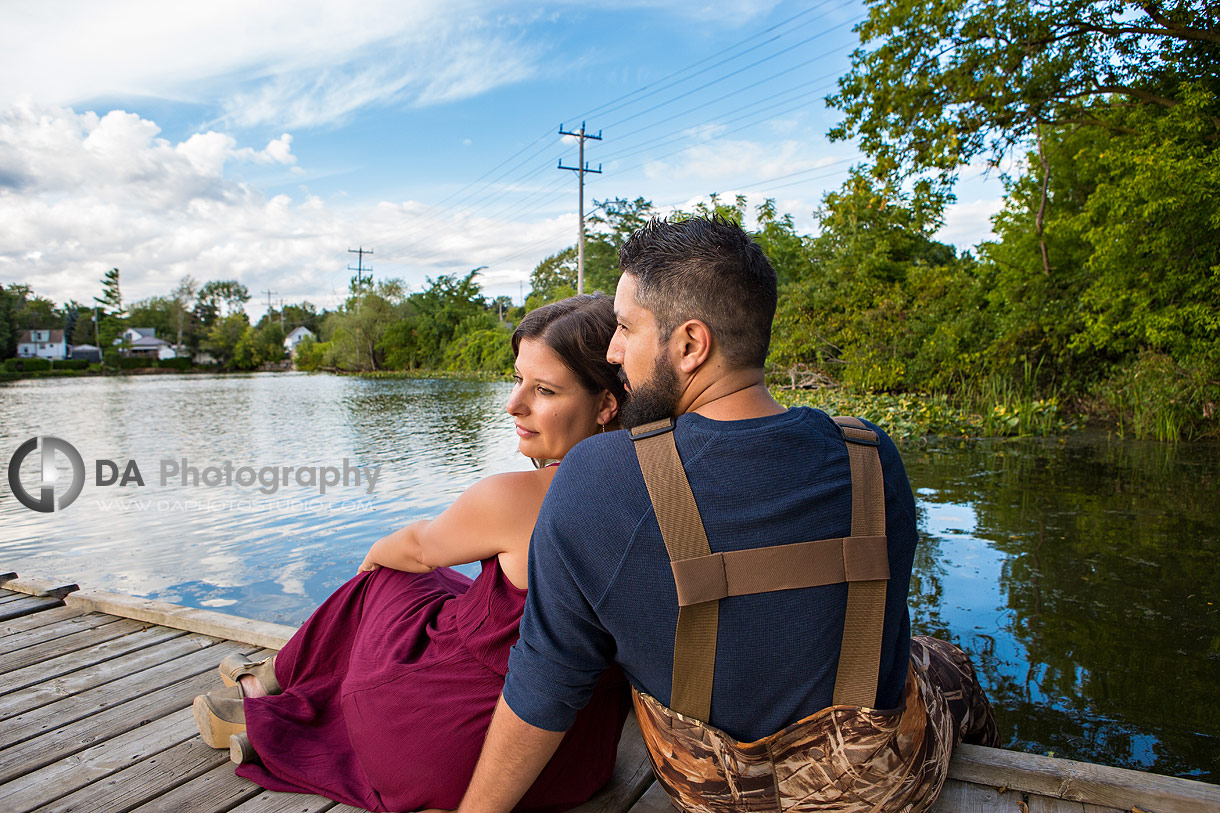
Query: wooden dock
x: 95, y: 716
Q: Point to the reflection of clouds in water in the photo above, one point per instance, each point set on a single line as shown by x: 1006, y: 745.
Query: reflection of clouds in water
x: 432, y: 440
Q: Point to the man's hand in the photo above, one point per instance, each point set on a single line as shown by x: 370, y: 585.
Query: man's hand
x: 514, y: 753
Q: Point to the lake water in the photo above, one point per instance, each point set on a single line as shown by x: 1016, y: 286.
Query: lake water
x: 1082, y: 575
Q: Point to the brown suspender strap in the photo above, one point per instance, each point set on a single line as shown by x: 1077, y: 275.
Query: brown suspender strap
x: 682, y: 530
x: 703, y: 578
x: 780, y: 567
x: 860, y: 653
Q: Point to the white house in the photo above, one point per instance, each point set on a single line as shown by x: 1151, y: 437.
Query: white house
x: 143, y: 343
x: 42, y: 344
x: 294, y: 338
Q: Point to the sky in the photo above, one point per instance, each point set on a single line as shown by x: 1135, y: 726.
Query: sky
x: 263, y: 141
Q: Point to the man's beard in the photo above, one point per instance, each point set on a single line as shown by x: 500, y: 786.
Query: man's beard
x: 654, y: 400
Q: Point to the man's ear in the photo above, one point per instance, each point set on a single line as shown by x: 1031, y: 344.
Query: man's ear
x: 692, y: 342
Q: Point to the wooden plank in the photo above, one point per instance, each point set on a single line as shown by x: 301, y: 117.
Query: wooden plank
x: 26, y: 605
x: 6, y: 597
x: 178, y: 643
x: 37, y: 587
x: 37, y: 788
x: 654, y: 800
x: 1082, y: 782
x: 632, y: 774
x: 208, y: 622
x: 270, y: 801
x: 144, y: 781
x: 1045, y: 804
x: 67, y: 710
x: 48, y: 625
x: 55, y: 614
x: 53, y: 658
x: 213, y: 792
x: 964, y: 797
x: 58, y: 741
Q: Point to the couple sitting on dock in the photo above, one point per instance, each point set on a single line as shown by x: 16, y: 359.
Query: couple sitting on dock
x: 742, y: 567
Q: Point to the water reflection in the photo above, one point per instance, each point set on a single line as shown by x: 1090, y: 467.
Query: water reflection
x: 1082, y: 575
x: 265, y: 555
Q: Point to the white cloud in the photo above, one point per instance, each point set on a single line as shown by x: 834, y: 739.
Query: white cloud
x: 81, y: 193
x: 296, y: 64
x: 968, y: 223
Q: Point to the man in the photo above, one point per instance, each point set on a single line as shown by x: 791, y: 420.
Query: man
x: 694, y: 304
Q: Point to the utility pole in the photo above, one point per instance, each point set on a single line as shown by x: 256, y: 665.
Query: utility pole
x: 358, y: 282
x: 580, y: 169
x: 269, y: 294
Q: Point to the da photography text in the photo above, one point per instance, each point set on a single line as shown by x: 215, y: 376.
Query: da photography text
x: 267, y: 479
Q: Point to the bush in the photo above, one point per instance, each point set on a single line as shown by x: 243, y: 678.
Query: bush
x: 489, y: 350
x: 32, y: 365
x: 312, y: 355
x: 181, y: 363
x: 130, y: 363
x: 71, y: 364
x: 1158, y: 398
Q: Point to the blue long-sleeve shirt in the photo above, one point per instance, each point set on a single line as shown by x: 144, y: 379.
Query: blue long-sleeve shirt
x: 601, y: 590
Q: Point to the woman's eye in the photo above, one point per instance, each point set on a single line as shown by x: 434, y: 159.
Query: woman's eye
x: 545, y: 391
x: 516, y: 379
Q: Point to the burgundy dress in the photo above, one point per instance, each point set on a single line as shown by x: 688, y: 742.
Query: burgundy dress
x: 389, y: 688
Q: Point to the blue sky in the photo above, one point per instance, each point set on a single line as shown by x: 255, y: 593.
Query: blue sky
x: 259, y: 142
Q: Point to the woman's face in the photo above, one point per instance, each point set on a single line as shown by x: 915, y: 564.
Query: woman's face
x: 551, y: 409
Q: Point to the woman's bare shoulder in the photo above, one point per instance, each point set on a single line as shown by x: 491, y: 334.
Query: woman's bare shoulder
x: 513, y: 490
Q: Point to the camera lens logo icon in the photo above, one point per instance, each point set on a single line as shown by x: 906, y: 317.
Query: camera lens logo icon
x: 48, y: 446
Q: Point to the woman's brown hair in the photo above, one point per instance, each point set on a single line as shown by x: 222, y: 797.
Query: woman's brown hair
x: 579, y: 330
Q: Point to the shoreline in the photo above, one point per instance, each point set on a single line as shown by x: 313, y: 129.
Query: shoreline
x: 907, y: 417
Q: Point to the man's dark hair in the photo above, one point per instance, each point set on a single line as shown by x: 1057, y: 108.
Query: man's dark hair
x: 707, y: 269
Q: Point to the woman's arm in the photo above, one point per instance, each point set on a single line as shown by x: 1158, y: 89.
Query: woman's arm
x: 494, y: 516
x: 398, y: 551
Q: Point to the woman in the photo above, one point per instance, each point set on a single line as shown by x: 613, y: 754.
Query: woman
x: 388, y: 688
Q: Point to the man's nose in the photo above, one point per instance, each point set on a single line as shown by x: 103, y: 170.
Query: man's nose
x: 614, y: 353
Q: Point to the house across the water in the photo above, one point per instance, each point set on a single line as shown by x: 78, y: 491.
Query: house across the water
x: 42, y: 344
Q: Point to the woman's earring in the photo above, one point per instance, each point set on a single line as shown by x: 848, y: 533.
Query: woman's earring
x: 603, y: 427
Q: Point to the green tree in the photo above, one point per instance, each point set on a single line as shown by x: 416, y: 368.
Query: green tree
x: 554, y: 278
x: 488, y: 349
x: 851, y: 313
x: 358, y: 328
x: 220, y: 298
x: 224, y: 337
x: 12, y: 300
x: 156, y: 312
x: 937, y: 83
x: 449, y: 307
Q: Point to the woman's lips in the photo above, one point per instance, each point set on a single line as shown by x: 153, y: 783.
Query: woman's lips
x: 523, y: 432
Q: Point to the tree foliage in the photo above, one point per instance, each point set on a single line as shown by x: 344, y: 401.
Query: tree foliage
x: 938, y: 83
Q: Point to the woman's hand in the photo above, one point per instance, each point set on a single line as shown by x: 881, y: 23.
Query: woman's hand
x: 397, y: 551
x: 368, y: 563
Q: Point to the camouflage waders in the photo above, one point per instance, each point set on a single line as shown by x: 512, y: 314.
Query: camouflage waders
x: 849, y: 757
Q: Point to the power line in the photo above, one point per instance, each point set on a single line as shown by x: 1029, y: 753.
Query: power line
x: 657, y: 87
